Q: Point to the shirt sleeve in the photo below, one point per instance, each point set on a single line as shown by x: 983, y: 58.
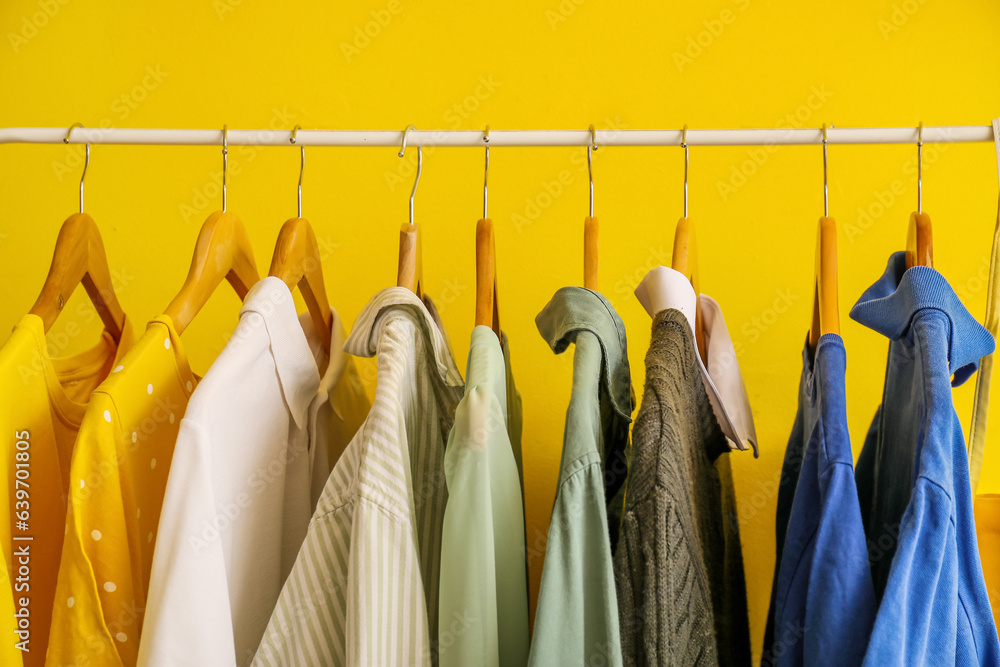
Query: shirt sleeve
x: 189, y: 620
x: 99, y: 599
x: 484, y: 591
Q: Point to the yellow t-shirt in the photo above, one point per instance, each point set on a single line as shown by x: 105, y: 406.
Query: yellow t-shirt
x: 117, y: 479
x: 44, y: 399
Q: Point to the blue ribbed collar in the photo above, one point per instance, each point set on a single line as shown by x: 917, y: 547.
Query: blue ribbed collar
x: 889, y: 305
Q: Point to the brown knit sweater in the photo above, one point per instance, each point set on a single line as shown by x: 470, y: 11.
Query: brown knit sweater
x: 678, y: 564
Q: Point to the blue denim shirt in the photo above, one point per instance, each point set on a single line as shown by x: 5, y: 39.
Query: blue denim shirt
x: 823, y: 601
x: 913, y: 478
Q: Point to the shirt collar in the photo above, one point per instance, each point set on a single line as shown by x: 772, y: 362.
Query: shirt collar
x: 294, y: 361
x: 364, y: 337
x: 664, y: 288
x: 889, y: 305
x: 576, y: 309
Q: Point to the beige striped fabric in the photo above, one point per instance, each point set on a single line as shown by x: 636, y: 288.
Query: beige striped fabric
x: 363, y: 590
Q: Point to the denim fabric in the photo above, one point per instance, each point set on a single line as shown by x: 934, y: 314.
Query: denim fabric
x: 823, y: 601
x: 913, y: 478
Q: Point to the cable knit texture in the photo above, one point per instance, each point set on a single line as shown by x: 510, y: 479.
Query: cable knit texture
x: 678, y: 566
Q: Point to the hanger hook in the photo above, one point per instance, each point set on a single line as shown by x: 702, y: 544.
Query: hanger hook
x: 486, y: 175
x: 590, y: 166
x: 302, y: 166
x: 420, y: 165
x: 684, y: 145
x: 86, y: 161
x: 225, y: 163
x: 826, y: 186
x: 920, y: 167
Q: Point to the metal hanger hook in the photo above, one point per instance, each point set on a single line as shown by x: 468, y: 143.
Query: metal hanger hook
x: 420, y: 166
x: 590, y: 166
x: 826, y: 186
x: 302, y: 166
x: 486, y: 175
x: 225, y: 163
x: 920, y: 167
x: 684, y: 145
x: 86, y: 160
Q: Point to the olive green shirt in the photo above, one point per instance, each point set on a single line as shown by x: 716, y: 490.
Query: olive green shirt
x: 576, y: 620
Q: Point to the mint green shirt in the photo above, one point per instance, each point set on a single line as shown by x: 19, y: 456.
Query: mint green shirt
x: 483, y: 601
x: 576, y: 620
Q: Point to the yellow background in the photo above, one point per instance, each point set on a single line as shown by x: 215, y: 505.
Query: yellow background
x: 550, y: 65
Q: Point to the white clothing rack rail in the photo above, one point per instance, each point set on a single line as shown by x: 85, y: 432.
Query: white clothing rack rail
x: 498, y: 138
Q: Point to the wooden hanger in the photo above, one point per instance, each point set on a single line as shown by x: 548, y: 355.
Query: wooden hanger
x: 297, y: 262
x: 685, y: 257
x: 591, y: 228
x: 410, y: 269
x: 487, y: 311
x: 919, y: 241
x: 826, y: 308
x: 685, y: 260
x: 222, y: 252
x: 79, y: 258
x: 919, y: 236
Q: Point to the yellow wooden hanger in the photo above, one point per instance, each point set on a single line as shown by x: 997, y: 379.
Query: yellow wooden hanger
x: 79, y: 258
x: 410, y: 270
x: 487, y: 311
x: 919, y: 237
x: 222, y: 252
x: 297, y: 262
x: 826, y: 311
x: 591, y: 228
x: 685, y: 256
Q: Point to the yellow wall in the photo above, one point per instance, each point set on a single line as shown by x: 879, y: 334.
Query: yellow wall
x: 558, y: 64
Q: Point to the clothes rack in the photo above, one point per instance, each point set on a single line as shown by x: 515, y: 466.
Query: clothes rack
x: 498, y: 138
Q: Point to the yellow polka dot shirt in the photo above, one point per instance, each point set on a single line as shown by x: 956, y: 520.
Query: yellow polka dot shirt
x: 117, y: 479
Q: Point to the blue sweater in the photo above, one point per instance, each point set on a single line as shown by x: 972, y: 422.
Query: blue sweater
x: 913, y: 478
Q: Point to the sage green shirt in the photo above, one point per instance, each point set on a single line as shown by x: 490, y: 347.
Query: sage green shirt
x: 576, y: 620
x: 483, y: 610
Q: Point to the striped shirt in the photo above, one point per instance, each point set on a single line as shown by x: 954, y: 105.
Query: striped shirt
x: 364, y: 588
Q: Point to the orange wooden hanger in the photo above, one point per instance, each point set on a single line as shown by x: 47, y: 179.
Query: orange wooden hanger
x: 222, y: 252
x: 826, y: 310
x: 591, y: 228
x: 409, y: 271
x: 79, y: 258
x: 297, y: 262
x: 919, y: 237
x: 487, y: 311
x: 685, y: 257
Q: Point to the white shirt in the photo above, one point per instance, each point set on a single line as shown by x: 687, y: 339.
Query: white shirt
x: 664, y: 288
x: 249, y: 464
